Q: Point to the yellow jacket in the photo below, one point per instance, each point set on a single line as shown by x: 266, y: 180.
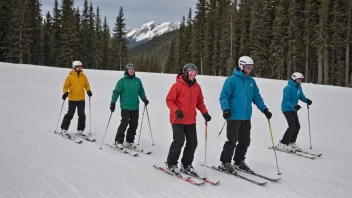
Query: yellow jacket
x: 76, y: 83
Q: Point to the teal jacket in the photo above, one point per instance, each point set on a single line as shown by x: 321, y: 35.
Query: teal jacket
x: 292, y: 92
x: 128, y: 88
x: 237, y: 95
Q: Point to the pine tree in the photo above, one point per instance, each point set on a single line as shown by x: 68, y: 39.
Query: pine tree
x: 91, y: 37
x: 278, y: 47
x: 77, y: 48
x: 106, y: 46
x: 187, y: 36
x: 84, y: 34
x: 245, y: 16
x: 348, y: 42
x: 6, y: 7
x: 210, y: 38
x: 119, y: 43
x: 181, y: 42
x: 98, y: 43
x: 171, y: 63
x: 198, y: 36
x: 69, y: 39
x: 48, y: 40
x: 57, y: 13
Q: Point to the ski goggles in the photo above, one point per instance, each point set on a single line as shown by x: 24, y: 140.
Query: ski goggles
x: 78, y: 67
x: 248, y: 66
x: 192, y: 72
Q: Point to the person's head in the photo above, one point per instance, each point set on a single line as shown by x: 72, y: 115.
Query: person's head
x: 246, y: 64
x: 190, y: 71
x: 130, y: 69
x: 77, y: 66
x: 297, y: 77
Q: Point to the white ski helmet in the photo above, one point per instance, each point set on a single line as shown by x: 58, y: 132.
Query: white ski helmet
x: 243, y: 60
x: 297, y: 75
x: 76, y: 63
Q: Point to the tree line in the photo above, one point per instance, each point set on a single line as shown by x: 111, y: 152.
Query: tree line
x: 62, y: 36
x: 282, y: 36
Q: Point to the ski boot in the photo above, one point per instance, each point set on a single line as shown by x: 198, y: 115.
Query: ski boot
x: 227, y: 167
x: 118, y: 145
x: 64, y: 133
x: 295, y: 147
x: 285, y: 147
x: 243, y: 166
x: 189, y: 169
x: 130, y: 145
x: 173, y: 169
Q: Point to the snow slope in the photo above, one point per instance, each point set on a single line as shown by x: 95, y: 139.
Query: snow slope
x: 37, y: 163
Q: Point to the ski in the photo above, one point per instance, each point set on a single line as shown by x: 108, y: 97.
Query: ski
x: 259, y: 175
x: 309, y: 153
x: 187, y: 179
x: 69, y: 137
x: 122, y: 150
x: 139, y: 150
x: 294, y: 153
x: 85, y: 137
x: 203, y: 178
x: 238, y: 175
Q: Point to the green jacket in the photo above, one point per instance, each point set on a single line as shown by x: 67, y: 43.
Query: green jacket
x: 129, y: 88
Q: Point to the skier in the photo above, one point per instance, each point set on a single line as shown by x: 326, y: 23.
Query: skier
x: 75, y: 82
x: 128, y: 88
x: 236, y: 97
x: 289, y: 106
x: 183, y: 98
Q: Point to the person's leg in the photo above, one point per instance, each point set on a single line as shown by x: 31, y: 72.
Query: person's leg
x: 81, y: 115
x: 244, y: 140
x: 191, y: 145
x: 69, y: 115
x: 291, y: 127
x: 233, y: 127
x: 133, y: 124
x: 125, y: 117
x: 176, y: 145
x: 298, y: 127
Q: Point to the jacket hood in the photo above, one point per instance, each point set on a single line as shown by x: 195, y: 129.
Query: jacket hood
x: 293, y: 83
x: 238, y: 72
x: 128, y: 76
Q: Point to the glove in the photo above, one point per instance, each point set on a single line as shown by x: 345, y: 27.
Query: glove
x: 179, y: 114
x: 297, y: 107
x: 309, y: 102
x: 146, y: 101
x: 112, y: 107
x: 267, y: 113
x: 207, y: 117
x: 226, y: 114
x: 89, y: 93
x: 64, y: 96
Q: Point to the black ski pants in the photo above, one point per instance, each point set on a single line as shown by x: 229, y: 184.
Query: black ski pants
x: 180, y: 133
x: 292, y: 131
x: 128, y: 117
x: 237, y: 131
x: 72, y: 105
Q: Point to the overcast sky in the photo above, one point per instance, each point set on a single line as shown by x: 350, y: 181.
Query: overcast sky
x: 137, y: 12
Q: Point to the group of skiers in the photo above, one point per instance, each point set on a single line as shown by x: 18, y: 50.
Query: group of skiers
x: 238, y: 93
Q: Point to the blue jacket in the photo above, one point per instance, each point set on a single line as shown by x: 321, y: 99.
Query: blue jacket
x: 292, y: 92
x: 237, y: 95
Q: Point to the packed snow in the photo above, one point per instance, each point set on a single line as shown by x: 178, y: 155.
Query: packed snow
x: 152, y: 29
x: 35, y: 162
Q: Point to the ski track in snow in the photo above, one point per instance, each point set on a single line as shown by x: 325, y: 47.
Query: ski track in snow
x: 37, y: 163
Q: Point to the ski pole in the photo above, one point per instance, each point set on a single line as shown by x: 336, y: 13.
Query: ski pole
x: 310, y: 137
x: 90, y: 119
x: 205, y: 155
x: 149, y: 126
x: 59, y: 116
x: 105, y: 131
x: 140, y: 132
x: 222, y: 128
x: 272, y: 140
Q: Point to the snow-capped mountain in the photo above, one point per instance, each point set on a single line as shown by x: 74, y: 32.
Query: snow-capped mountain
x: 149, y: 30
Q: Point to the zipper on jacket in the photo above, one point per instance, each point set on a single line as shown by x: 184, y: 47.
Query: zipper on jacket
x: 245, y: 96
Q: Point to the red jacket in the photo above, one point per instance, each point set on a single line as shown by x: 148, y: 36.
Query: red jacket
x: 187, y: 98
